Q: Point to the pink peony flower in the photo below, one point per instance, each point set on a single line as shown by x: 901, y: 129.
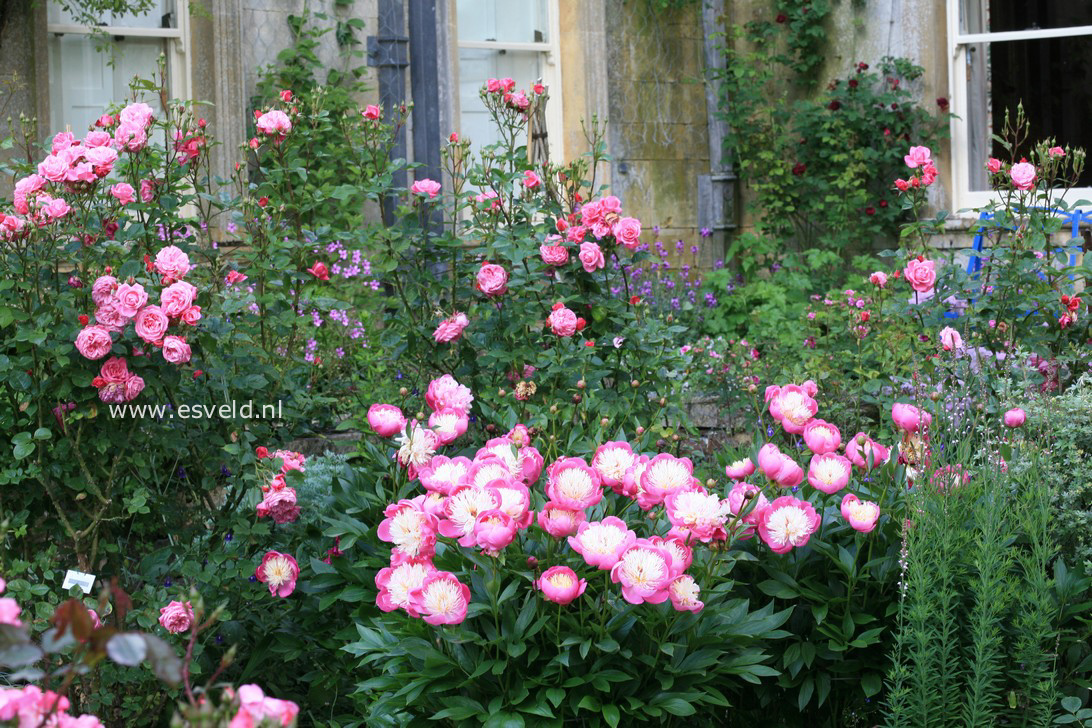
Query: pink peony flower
x: 663, y: 475
x: 449, y: 424
x: 386, y: 419
x: 130, y: 299
x: 441, y: 474
x: 829, y: 473
x: 451, y: 328
x: 794, y: 408
x: 560, y: 585
x: 445, y: 392
x: 602, y: 543
x: 115, y: 369
x: 572, y: 484
x: 1015, y: 418
x: 644, y: 571
x: 950, y: 339
x: 909, y: 418
x: 740, y: 469
x: 397, y: 582
x: 684, y: 593
x: 94, y: 342
x: 611, y: 461
x: 461, y: 510
x: 563, y: 321
x: 416, y: 446
x: 918, y: 157
x: 172, y: 263
x: 556, y: 255
x: 861, y: 515
x: 425, y: 187
x: 176, y: 350
x: 441, y: 598
x: 492, y: 279
x: 411, y: 530
x: 865, y: 453
x: 494, y: 529
x: 787, y: 523
x: 822, y: 437
x: 558, y: 521
x: 696, y: 514
x: 1023, y: 175
x: 123, y: 192
x: 740, y: 499
x: 279, y: 571
x: 591, y: 256
x: 921, y: 274
x: 176, y: 617
x: 627, y: 232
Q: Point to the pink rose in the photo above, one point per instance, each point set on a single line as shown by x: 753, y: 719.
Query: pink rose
x: 123, y: 193
x: 115, y: 369
x: 54, y: 208
x: 176, y: 298
x: 993, y: 165
x: 176, y: 350
x: 1056, y: 152
x: 191, y: 315
x: 918, y: 157
x: 172, y: 262
x: 627, y: 232
x: 878, y: 279
x: 280, y: 504
x: 134, y: 385
x: 1023, y: 175
x: 138, y: 114
x: 110, y: 316
x: 591, y: 256
x: 386, y: 419
x: 53, y: 168
x: 130, y: 138
x: 103, y: 289
x: 451, y: 328
x: 94, y: 342
x: 531, y: 180
x: 950, y: 339
x: 921, y: 274
x: 130, y: 298
x: 176, y: 617
x: 274, y: 123
x: 557, y: 255
x: 147, y: 190
x: 371, y: 112
x: 425, y: 187
x: 562, y: 321
x: 151, y: 324
x: 101, y: 157
x: 492, y: 279
x: 96, y: 139
x: 62, y: 141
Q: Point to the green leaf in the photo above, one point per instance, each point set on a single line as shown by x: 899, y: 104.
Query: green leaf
x: 1071, y: 704
x: 871, y: 684
x: 611, y: 715
x: 555, y: 695
x: 677, y: 706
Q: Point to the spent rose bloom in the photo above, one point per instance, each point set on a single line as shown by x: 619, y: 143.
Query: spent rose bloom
x: 150, y: 324
x: 279, y: 571
x: 563, y: 321
x: 1015, y: 417
x: 950, y: 339
x: 492, y: 279
x: 176, y: 617
x: 591, y: 257
x: 94, y: 342
x: 176, y: 350
x: 280, y: 504
x: 451, y: 328
x: 1023, y: 175
x: 560, y: 585
x: 861, y: 515
x: 921, y: 274
x: 172, y: 262
x: 425, y: 187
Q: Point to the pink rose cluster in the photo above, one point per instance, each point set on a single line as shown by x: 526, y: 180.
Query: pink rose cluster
x: 502, y: 91
x: 274, y: 124
x: 603, y: 219
x: 31, y: 706
x: 116, y: 384
x: 119, y: 304
x: 918, y: 158
x: 279, y: 501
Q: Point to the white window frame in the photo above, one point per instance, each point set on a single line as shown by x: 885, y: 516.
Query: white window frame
x: 178, y: 67
x: 551, y: 77
x: 959, y: 44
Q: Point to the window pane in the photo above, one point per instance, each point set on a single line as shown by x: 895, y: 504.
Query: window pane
x: 1005, y: 15
x: 161, y: 14
x: 83, y: 82
x: 475, y: 67
x: 512, y: 21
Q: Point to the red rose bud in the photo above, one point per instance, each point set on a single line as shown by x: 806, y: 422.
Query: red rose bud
x: 84, y: 319
x: 580, y: 323
x: 109, y: 270
x: 453, y: 138
x: 263, y: 201
x: 98, y: 382
x: 262, y: 452
x: 634, y: 300
x: 589, y: 343
x: 557, y: 305
x: 286, y: 95
x: 197, y: 373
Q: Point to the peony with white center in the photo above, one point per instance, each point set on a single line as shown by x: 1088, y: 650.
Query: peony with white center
x: 463, y: 507
x: 487, y: 473
x: 450, y: 473
x: 865, y: 511
x: 667, y: 476
x: 830, y: 470
x: 575, y: 484
x: 442, y: 597
x: 416, y: 446
x: 694, y: 508
x: 407, y: 531
x: 613, y: 462
x: 404, y: 579
x: 788, y: 525
x: 685, y: 590
x: 561, y: 580
x: 278, y: 571
x: 795, y: 408
x: 642, y: 568
x: 602, y: 538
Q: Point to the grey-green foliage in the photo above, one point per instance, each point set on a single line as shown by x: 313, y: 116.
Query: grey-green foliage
x: 978, y: 621
x: 1065, y: 424
x: 317, y: 485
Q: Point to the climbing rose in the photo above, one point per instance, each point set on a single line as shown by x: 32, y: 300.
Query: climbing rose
x: 94, y: 342
x: 492, y: 279
x: 176, y: 617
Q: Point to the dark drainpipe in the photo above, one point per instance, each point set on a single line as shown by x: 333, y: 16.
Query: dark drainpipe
x: 717, y: 191
x: 425, y: 85
x: 387, y: 52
